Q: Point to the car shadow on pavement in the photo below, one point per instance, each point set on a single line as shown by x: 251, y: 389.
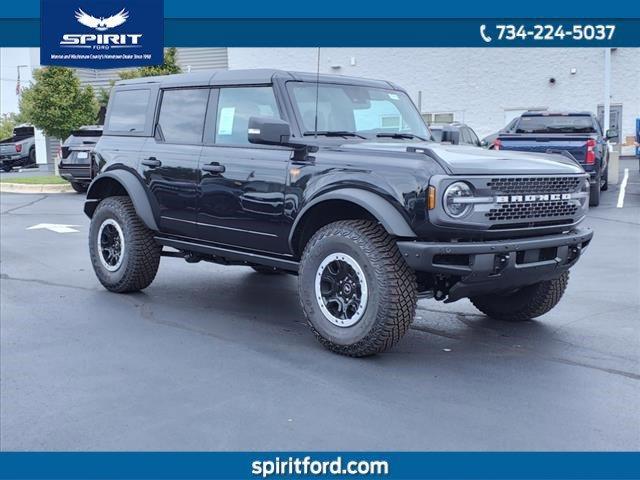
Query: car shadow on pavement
x: 243, y: 306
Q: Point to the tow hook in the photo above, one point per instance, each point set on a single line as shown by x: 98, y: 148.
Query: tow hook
x: 574, y: 252
x: 500, y: 262
x: 191, y: 257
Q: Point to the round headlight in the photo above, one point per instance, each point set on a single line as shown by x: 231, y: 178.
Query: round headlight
x: 452, y: 196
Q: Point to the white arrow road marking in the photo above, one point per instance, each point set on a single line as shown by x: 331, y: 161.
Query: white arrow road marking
x: 54, y: 227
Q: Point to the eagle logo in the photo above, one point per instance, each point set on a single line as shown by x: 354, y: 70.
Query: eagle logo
x: 101, y: 24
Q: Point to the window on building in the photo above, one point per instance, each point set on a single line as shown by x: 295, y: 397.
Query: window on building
x: 128, y: 111
x: 236, y: 106
x: 182, y: 113
x: 441, y: 117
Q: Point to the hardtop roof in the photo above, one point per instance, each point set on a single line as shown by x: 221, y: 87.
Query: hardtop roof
x: 546, y: 113
x: 250, y: 77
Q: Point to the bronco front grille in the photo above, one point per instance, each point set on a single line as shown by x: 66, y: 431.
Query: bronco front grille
x: 532, y: 210
x: 533, y: 185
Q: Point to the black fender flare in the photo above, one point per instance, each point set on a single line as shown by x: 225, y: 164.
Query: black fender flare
x: 134, y: 188
x: 380, y: 208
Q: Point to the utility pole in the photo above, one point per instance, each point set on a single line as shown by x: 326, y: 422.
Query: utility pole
x: 614, y: 153
x: 607, y: 89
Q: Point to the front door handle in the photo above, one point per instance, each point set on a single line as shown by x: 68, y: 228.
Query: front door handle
x: 151, y: 162
x: 214, y: 168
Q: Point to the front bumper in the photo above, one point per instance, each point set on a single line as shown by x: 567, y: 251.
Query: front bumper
x: 499, y: 265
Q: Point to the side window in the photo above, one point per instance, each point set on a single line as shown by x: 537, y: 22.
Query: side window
x: 182, y: 113
x: 236, y: 105
x: 128, y: 111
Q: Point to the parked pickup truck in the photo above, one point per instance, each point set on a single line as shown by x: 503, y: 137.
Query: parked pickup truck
x: 76, y: 164
x: 19, y: 150
x: 575, y: 135
x: 332, y: 179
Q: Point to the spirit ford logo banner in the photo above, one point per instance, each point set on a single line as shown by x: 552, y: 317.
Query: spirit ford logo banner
x: 101, y: 34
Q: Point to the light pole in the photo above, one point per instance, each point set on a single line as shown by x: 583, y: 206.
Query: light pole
x: 18, y: 87
x: 614, y: 153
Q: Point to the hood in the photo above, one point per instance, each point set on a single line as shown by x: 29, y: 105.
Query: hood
x: 468, y: 160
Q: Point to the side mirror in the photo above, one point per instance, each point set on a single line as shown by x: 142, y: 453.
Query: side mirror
x: 268, y: 131
x: 611, y: 133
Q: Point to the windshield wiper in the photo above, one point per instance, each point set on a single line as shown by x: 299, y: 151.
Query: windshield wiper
x: 409, y: 136
x: 334, y: 133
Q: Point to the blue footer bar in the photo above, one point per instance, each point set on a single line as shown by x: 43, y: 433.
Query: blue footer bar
x: 395, y: 465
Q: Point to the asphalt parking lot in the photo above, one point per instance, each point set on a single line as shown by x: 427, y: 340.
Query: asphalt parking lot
x: 219, y: 358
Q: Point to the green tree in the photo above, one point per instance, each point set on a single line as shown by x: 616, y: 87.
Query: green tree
x: 168, y: 67
x: 102, y: 96
x: 56, y: 103
x: 8, y: 121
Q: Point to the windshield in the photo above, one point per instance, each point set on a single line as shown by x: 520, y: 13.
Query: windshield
x: 556, y: 124
x: 364, y: 111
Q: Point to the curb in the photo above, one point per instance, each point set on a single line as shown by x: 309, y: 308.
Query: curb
x: 25, y: 188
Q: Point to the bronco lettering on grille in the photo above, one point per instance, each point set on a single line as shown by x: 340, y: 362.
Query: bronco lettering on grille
x: 532, y: 198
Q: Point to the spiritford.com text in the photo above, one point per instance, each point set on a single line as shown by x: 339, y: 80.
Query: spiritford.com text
x: 308, y: 466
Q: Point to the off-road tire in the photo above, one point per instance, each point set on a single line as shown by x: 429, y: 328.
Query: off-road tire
x: 6, y: 168
x: 605, y: 184
x: 266, y: 270
x: 594, y: 193
x: 141, y: 255
x: 392, y: 291
x: 32, y: 157
x: 524, y: 304
x: 79, y: 187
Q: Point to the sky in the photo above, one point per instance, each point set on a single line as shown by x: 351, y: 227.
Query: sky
x: 10, y: 58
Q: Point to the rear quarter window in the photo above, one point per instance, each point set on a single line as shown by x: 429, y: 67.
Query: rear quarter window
x: 128, y: 111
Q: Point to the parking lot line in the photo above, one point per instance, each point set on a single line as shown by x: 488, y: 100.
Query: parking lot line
x: 623, y: 188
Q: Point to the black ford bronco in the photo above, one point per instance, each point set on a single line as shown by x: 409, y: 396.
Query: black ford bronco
x: 333, y: 179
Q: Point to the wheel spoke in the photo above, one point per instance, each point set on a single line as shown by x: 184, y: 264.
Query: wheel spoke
x: 339, y: 288
x: 110, y: 244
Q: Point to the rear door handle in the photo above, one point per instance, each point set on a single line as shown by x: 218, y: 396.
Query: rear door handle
x: 214, y: 168
x: 151, y: 162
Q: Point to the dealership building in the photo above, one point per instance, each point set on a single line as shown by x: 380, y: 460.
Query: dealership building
x: 484, y: 88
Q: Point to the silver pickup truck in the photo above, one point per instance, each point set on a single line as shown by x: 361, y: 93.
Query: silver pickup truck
x: 19, y: 150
